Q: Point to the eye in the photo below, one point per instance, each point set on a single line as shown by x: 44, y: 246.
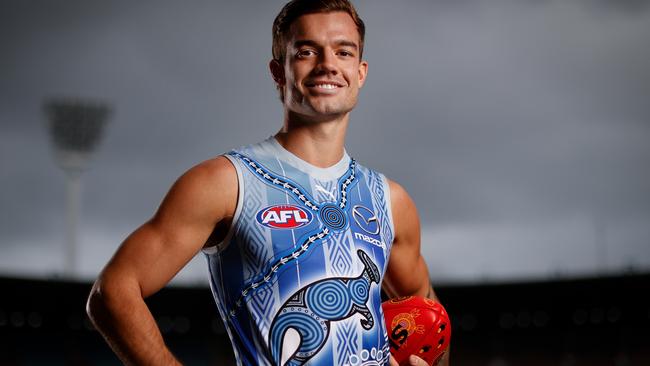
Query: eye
x: 345, y: 53
x: 306, y: 53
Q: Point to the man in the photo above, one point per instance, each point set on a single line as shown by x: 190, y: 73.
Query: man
x: 298, y: 236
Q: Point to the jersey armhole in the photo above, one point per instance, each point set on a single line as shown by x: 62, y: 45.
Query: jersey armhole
x: 235, y: 219
x: 389, y: 207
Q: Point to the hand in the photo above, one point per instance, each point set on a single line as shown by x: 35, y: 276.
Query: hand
x: 413, y: 361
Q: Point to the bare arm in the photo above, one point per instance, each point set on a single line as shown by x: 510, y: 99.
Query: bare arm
x: 407, y: 272
x: 152, y: 255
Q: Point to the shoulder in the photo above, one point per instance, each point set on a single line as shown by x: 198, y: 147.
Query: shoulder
x: 405, y: 214
x: 208, y: 187
x: 206, y: 174
x: 395, y: 188
x: 398, y: 195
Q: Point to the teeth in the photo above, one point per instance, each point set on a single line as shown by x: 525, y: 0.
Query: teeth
x: 326, y: 86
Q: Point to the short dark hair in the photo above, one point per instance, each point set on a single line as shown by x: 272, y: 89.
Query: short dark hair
x: 296, y: 8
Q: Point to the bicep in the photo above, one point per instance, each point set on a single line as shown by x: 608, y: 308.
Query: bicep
x: 407, y: 272
x: 152, y: 255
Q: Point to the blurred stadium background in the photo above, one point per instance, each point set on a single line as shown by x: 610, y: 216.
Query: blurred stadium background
x: 591, y: 322
x: 520, y: 128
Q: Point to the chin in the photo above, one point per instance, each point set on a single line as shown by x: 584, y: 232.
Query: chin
x: 331, y: 109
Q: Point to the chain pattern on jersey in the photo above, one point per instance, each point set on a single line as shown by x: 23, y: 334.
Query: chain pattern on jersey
x: 279, y: 263
x: 276, y: 180
x: 346, y: 184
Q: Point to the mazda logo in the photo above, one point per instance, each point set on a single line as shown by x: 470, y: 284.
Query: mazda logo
x: 365, y: 219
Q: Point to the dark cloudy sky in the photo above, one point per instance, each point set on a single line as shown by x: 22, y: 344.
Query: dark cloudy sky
x: 520, y: 128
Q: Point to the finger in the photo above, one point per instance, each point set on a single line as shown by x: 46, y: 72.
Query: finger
x: 392, y: 361
x: 417, y: 361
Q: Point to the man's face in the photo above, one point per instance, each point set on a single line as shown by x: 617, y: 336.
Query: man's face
x: 322, y: 72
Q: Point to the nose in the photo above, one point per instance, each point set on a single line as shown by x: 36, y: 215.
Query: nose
x: 327, y: 63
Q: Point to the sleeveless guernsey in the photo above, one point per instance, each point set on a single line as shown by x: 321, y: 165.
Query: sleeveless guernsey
x: 297, y: 277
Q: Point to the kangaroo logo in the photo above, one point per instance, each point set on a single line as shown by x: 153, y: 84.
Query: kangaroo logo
x: 301, y: 326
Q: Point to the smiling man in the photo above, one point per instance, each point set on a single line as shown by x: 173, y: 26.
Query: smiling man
x: 299, y: 237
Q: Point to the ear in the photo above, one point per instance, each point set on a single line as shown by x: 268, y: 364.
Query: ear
x: 363, y: 72
x: 277, y: 72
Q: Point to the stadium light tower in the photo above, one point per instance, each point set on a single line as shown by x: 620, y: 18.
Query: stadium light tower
x: 76, y: 127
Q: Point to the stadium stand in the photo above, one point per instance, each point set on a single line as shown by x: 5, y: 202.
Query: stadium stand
x: 600, y: 321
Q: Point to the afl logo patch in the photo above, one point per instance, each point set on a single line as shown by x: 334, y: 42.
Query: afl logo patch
x: 284, y: 217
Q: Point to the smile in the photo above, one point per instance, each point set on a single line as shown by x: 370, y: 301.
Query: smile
x: 326, y: 86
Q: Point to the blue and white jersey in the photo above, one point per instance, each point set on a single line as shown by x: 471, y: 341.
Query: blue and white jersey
x: 297, y: 277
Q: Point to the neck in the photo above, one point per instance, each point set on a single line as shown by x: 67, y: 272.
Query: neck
x: 320, y: 143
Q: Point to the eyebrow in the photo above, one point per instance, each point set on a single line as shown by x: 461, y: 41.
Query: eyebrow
x: 308, y: 42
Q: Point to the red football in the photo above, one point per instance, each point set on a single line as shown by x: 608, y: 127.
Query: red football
x: 417, y: 326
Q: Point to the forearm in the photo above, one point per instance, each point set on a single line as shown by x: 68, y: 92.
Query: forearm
x: 129, y: 328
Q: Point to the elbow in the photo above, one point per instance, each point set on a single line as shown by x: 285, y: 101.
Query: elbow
x: 112, y: 294
x: 105, y: 298
x: 96, y: 304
